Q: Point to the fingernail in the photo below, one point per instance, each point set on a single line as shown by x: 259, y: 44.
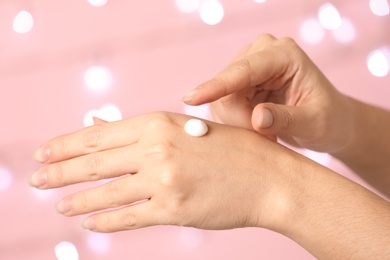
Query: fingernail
x: 189, y: 96
x: 266, y: 119
x: 64, y: 206
x: 89, y: 223
x: 42, y: 155
x: 38, y: 179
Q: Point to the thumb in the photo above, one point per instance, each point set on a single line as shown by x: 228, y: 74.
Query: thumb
x: 274, y: 119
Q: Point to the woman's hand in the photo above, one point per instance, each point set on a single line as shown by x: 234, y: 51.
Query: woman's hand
x: 229, y: 178
x: 274, y: 88
x: 219, y: 181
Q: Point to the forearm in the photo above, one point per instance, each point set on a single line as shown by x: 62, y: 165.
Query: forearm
x: 334, y: 218
x: 368, y: 152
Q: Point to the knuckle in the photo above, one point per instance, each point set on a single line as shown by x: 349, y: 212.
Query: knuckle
x: 169, y: 177
x: 287, y: 120
x: 59, y: 175
x: 264, y: 37
x: 93, y: 164
x: 82, y: 201
x: 159, y: 121
x: 111, y: 192
x: 174, y: 208
x: 288, y: 41
x: 290, y: 47
x: 129, y: 221
x: 244, y: 68
x: 92, y: 137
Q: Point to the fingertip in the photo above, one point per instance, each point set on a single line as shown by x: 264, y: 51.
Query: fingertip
x: 31, y: 182
x: 189, y: 97
x: 64, y: 206
x: 89, y: 223
x: 262, y: 118
x: 38, y: 179
x: 206, y: 92
x: 42, y: 155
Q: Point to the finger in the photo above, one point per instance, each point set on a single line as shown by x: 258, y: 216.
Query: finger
x: 90, y: 167
x: 90, y: 139
x: 256, y: 69
x: 233, y: 110
x: 242, y: 53
x: 118, y: 193
x: 219, y: 109
x: 128, y: 218
x: 98, y: 121
x: 261, y: 43
x: 275, y: 119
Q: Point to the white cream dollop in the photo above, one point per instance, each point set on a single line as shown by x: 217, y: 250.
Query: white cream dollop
x: 196, y: 127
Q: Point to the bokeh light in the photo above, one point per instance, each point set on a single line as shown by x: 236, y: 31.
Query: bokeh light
x: 378, y: 63
x: 98, y: 78
x: 380, y: 7
x: 23, y: 22
x: 188, y: 6
x: 107, y: 112
x: 43, y: 195
x: 146, y: 55
x: 66, y: 251
x: 311, y: 31
x: 5, y: 178
x: 211, y: 12
x: 98, y: 3
x: 346, y: 32
x: 329, y: 17
x: 99, y: 242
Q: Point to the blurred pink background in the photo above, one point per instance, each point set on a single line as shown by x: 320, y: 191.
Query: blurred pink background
x: 152, y: 53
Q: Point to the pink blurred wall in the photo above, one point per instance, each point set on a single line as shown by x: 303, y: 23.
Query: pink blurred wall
x: 156, y: 53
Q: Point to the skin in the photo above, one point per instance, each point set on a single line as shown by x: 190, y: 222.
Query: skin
x: 276, y: 76
x: 230, y: 178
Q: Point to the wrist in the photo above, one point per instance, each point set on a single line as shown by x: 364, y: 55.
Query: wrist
x: 341, y: 125
x: 358, y: 133
x: 333, y: 217
x: 289, y: 177
x: 348, y: 128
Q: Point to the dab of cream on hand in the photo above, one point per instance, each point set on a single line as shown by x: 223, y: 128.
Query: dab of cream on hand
x: 196, y: 127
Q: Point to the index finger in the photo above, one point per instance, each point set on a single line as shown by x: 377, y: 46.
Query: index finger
x: 256, y: 69
x: 91, y: 139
